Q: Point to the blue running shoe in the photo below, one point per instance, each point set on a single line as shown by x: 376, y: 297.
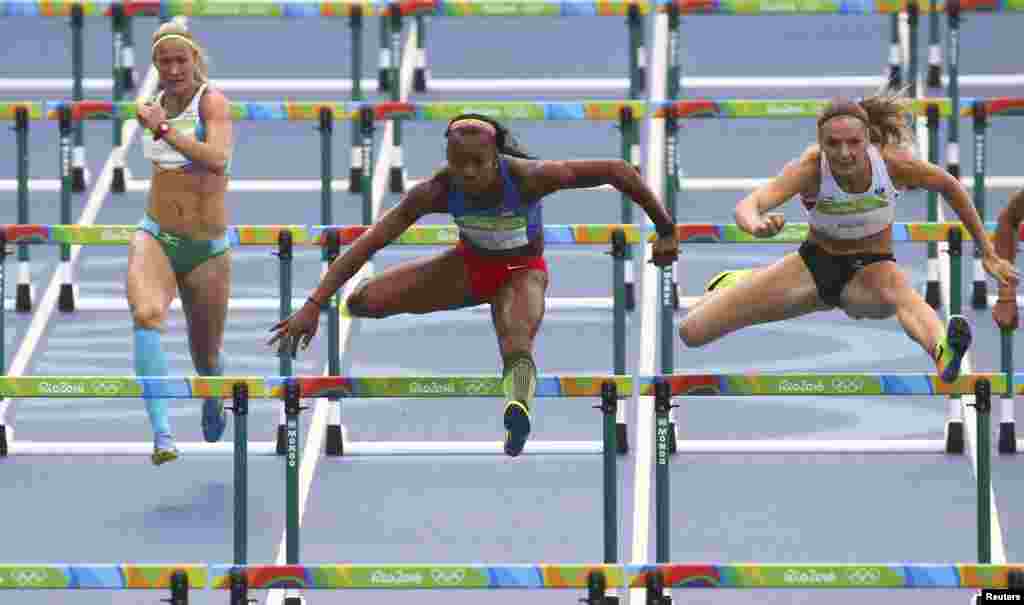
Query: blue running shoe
x: 517, y: 427
x: 950, y: 352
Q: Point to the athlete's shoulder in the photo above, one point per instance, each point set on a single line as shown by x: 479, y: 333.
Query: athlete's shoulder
x: 431, y: 194
x: 214, y: 102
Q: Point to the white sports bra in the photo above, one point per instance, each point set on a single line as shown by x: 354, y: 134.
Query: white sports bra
x: 188, y: 123
x: 841, y: 215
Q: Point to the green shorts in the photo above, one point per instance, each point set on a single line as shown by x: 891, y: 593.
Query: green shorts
x: 184, y: 253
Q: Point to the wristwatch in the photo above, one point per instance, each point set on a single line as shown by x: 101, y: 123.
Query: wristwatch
x: 161, y: 130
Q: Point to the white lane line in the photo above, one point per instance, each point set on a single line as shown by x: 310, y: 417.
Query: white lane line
x: 41, y: 317
x: 318, y: 427
x: 967, y: 411
x: 649, y: 321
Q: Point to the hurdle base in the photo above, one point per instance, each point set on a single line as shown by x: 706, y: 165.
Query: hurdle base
x: 419, y: 80
x: 955, y: 437
x: 630, y: 296
x: 397, y: 180
x: 979, y: 297
x: 23, y: 298
x: 117, y: 181
x: 132, y: 448
x: 622, y: 438
x: 467, y: 448
x: 295, y: 600
x: 774, y: 446
x: 3, y: 441
x: 333, y: 443
x: 281, y: 441
x: 66, y: 299
x: 931, y: 294
x: 77, y: 179
x: 1007, y: 438
x: 355, y: 180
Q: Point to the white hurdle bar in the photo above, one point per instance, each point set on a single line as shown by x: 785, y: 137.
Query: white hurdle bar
x: 808, y: 446
x: 513, y: 85
x: 341, y: 185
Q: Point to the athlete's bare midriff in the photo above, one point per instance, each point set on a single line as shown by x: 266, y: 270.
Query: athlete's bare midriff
x: 879, y: 243
x: 189, y: 203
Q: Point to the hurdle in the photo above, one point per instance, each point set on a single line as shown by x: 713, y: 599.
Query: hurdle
x: 664, y: 388
x: 178, y: 579
x: 291, y: 390
x: 782, y: 109
x: 903, y: 233
x: 286, y: 237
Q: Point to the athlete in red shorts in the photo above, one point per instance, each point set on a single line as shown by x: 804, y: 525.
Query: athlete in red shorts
x: 493, y: 191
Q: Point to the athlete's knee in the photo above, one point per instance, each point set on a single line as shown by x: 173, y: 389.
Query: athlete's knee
x: 691, y: 335
x: 149, y: 315
x: 207, y: 362
x: 361, y: 304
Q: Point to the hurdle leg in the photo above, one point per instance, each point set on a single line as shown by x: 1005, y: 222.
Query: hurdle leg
x: 1007, y: 429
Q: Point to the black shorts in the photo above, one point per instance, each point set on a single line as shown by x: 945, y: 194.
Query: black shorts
x: 832, y: 272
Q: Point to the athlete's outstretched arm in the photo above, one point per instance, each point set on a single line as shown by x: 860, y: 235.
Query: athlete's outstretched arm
x: 547, y: 177
x: 421, y: 200
x: 796, y: 176
x: 1006, y: 237
x: 912, y: 172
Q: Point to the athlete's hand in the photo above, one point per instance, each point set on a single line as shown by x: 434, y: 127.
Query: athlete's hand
x: 1005, y: 314
x: 1001, y: 270
x: 768, y: 225
x: 150, y: 115
x: 301, y: 326
x: 665, y: 250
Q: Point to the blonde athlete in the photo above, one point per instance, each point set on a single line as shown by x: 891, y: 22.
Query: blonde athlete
x: 181, y: 246
x: 849, y: 184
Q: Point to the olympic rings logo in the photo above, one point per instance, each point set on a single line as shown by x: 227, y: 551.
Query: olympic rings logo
x: 846, y: 386
x: 106, y: 388
x: 864, y: 575
x: 28, y: 577
x: 477, y: 387
x: 448, y: 577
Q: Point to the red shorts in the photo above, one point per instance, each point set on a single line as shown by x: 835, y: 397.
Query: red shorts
x: 489, y: 273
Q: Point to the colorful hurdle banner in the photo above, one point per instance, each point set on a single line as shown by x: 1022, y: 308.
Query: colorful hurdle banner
x: 292, y: 389
x: 331, y: 238
x: 594, y: 578
x: 664, y: 388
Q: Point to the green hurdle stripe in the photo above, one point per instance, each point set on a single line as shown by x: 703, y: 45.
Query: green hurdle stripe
x: 825, y: 575
x: 833, y: 384
x: 114, y: 577
x: 416, y: 576
x: 531, y: 111
x: 273, y: 387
